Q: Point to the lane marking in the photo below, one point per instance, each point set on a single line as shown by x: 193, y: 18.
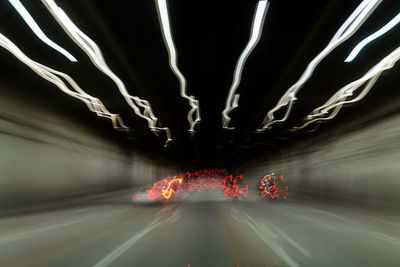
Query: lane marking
x: 396, y: 224
x: 350, y: 229
x: 292, y: 242
x: 330, y: 214
x: 275, y: 247
x: 383, y: 237
x: 288, y: 207
x: 107, y: 260
x: 30, y: 233
x: 43, y: 229
x: 113, y: 255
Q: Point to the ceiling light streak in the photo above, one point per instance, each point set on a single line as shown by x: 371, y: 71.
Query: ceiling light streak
x: 348, y: 28
x: 372, y: 37
x: 232, y: 101
x: 163, y: 17
x: 36, y: 29
x: 96, y: 56
x: 94, y: 104
x: 341, y: 97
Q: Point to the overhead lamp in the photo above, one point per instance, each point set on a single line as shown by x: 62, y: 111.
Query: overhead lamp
x: 345, y: 95
x: 348, y: 28
x: 36, y: 29
x: 163, y: 16
x: 255, y: 34
x: 57, y: 78
x: 353, y: 54
x: 141, y: 107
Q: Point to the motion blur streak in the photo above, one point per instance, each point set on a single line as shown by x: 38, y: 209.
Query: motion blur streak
x: 273, y: 190
x: 340, y: 98
x: 199, y: 180
x: 163, y: 16
x: 96, y: 56
x: 350, y: 26
x: 134, y: 239
x: 36, y: 29
x: 74, y: 192
x: 51, y: 75
x: 353, y: 54
x: 256, y: 30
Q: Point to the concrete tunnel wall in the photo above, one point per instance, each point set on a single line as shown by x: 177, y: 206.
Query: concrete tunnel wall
x: 46, y: 157
x: 360, y: 166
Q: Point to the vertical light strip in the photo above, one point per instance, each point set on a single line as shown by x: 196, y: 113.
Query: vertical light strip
x: 163, y: 17
x: 233, y: 99
x: 95, y: 55
x: 348, y: 28
x: 94, y: 104
x: 36, y: 29
x: 372, y: 37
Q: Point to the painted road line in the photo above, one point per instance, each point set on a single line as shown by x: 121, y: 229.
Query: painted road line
x: 113, y: 255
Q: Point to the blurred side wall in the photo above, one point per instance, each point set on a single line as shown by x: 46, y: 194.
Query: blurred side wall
x: 361, y: 165
x: 45, y: 157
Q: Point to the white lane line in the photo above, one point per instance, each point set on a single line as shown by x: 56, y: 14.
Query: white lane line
x: 46, y: 228
x: 389, y: 239
x: 127, y: 244
x: 175, y: 216
x: 30, y: 233
x: 330, y: 214
x: 262, y: 230
x: 262, y: 226
x: 350, y: 229
x: 113, y: 255
x: 292, y: 242
x: 380, y: 219
x: 288, y: 207
x: 275, y: 247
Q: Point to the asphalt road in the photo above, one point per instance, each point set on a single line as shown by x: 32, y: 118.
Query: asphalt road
x: 114, y: 232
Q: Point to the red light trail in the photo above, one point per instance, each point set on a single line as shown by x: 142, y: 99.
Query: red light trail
x: 198, y: 180
x: 271, y: 189
x: 211, y: 179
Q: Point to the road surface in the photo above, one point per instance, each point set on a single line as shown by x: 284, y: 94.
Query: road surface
x: 114, y: 232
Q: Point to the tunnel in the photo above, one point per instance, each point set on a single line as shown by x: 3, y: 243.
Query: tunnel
x: 175, y: 133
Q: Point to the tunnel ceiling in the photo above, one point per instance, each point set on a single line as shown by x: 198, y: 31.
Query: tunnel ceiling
x: 209, y: 37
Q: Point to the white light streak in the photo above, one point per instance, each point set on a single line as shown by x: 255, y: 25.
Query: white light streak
x: 96, y: 56
x: 372, y: 37
x: 36, y: 29
x: 349, y: 27
x: 332, y: 107
x: 256, y: 30
x: 163, y: 16
x: 53, y: 76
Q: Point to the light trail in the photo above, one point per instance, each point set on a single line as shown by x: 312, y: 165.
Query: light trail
x: 36, y: 29
x: 270, y: 188
x: 341, y: 97
x: 53, y: 76
x: 353, y: 54
x: 232, y: 101
x: 348, y: 28
x: 163, y: 17
x: 95, y: 55
x: 191, y: 181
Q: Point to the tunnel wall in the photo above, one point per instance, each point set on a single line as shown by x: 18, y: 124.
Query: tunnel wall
x: 45, y: 156
x: 361, y: 165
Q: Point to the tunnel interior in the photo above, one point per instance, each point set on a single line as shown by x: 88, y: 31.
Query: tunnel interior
x: 210, y: 133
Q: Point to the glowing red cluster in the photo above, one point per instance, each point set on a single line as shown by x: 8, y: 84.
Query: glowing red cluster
x: 231, y: 187
x: 272, y: 190
x: 164, y: 188
x: 198, y: 180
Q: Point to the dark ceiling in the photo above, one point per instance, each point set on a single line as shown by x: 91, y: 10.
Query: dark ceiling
x: 209, y: 36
